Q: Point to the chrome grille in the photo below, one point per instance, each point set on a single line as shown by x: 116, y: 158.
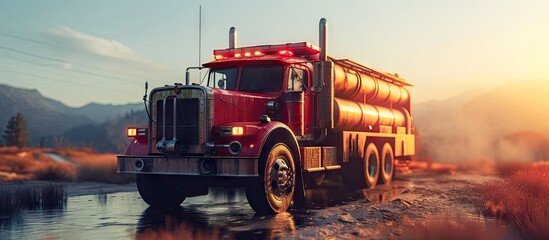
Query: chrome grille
x: 187, y: 120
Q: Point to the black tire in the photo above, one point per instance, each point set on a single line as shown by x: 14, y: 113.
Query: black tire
x: 371, y: 165
x: 273, y: 192
x: 363, y: 173
x: 387, y: 166
x: 160, y: 191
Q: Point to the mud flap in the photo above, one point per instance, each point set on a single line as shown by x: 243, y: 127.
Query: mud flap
x: 300, y: 195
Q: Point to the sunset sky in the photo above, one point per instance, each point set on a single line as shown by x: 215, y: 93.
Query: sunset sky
x: 79, y: 52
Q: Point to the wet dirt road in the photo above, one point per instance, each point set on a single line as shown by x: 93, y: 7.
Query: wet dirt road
x: 331, y: 211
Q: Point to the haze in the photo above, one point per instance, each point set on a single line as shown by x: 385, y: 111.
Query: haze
x: 103, y: 51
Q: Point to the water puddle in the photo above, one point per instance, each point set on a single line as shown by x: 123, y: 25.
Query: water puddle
x: 56, y: 157
x: 223, y: 213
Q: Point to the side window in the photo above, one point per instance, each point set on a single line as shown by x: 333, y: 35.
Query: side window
x: 297, y: 80
x: 224, y: 78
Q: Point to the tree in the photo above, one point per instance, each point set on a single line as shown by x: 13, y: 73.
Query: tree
x: 16, y: 131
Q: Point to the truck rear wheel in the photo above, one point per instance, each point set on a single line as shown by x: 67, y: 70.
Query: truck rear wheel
x: 371, y: 165
x: 387, y: 168
x: 363, y: 172
x: 274, y: 190
x: 160, y: 191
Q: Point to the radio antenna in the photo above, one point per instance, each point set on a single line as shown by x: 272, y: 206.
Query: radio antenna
x: 199, y: 40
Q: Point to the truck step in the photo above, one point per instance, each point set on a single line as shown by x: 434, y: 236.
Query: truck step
x: 325, y: 168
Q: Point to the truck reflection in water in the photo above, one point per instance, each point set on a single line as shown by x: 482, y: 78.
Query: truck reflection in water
x: 226, y: 215
x: 183, y: 223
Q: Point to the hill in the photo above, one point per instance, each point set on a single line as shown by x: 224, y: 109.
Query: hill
x: 44, y: 116
x: 51, y: 123
x: 102, y: 112
x: 473, y: 126
x: 109, y: 136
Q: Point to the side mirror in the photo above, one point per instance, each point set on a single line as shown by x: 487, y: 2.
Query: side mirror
x: 221, y: 83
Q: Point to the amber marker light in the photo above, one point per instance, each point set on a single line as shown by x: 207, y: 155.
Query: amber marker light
x: 247, y: 54
x: 131, y: 132
x: 237, y: 55
x: 219, y: 57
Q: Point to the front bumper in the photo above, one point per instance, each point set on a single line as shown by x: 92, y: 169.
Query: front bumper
x: 189, y: 166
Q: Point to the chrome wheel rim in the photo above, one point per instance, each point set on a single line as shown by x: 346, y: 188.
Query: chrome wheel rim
x: 281, y: 178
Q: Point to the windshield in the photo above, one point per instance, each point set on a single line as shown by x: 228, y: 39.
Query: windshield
x: 224, y: 78
x: 262, y: 78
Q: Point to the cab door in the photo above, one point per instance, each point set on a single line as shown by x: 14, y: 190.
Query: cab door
x: 299, y: 84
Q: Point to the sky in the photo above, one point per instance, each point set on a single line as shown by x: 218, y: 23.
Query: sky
x: 102, y: 51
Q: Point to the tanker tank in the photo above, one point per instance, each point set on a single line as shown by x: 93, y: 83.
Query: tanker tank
x: 366, y: 99
x: 365, y: 88
x: 354, y: 116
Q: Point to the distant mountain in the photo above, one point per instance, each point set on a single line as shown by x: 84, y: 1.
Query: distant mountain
x: 43, y: 116
x: 473, y: 126
x: 49, y: 120
x: 103, y: 112
x: 109, y: 136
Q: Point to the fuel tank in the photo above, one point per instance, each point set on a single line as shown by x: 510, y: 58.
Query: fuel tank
x: 360, y: 87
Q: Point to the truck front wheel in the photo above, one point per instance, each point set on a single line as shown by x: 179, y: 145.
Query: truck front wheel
x: 274, y: 190
x: 160, y: 191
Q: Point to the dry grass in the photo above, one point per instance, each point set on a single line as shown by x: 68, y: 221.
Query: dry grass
x: 521, y: 199
x: 449, y: 229
x: 81, y: 165
x: 15, y: 198
x: 57, y: 172
x: 102, y: 173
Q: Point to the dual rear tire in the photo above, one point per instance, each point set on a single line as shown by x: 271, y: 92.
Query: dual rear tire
x: 372, y: 169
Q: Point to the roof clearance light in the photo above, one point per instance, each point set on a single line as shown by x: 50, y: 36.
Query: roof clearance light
x: 237, y: 55
x: 258, y: 53
x: 219, y: 57
x: 285, y: 52
x: 247, y: 54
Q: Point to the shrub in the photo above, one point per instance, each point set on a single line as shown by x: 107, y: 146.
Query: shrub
x: 15, y: 198
x: 55, y: 172
x: 521, y: 200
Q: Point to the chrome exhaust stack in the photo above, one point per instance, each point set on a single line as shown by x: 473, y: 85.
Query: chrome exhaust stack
x: 232, y: 38
x: 325, y: 77
x: 322, y: 41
